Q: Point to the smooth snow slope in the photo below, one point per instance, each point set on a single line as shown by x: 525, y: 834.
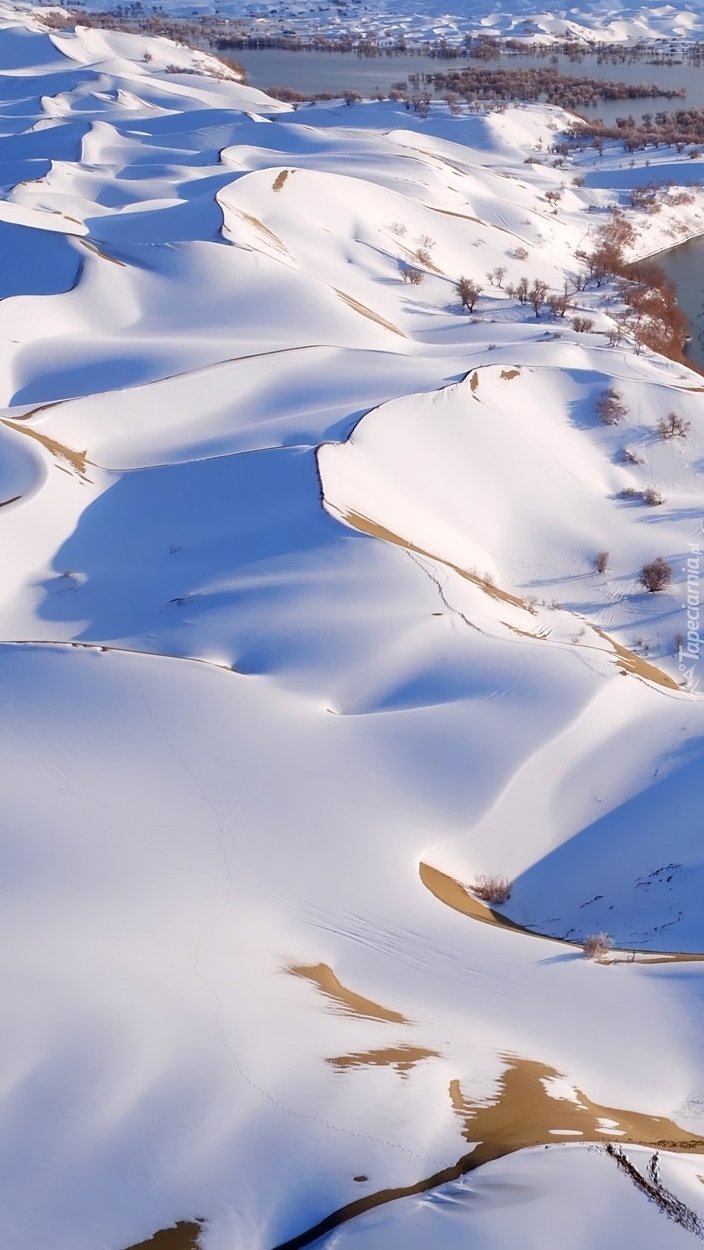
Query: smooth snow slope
x: 297, y: 595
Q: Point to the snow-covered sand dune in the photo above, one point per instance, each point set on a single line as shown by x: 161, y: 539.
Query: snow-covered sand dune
x: 298, y: 595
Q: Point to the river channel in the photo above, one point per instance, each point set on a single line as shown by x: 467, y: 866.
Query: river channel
x: 685, y: 266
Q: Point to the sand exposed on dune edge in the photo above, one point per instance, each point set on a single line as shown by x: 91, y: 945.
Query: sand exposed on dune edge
x: 451, y: 892
x: 629, y: 662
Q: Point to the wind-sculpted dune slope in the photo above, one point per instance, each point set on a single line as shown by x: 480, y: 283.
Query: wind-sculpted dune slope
x: 297, y: 595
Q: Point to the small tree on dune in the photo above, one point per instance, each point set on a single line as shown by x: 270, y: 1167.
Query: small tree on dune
x: 537, y: 295
x: 468, y: 292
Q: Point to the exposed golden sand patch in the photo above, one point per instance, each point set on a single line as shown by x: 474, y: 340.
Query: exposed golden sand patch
x: 454, y: 895
x: 525, y: 1114
x: 183, y: 1236
x: 359, y: 522
x: 627, y: 660
x: 634, y: 664
x: 279, y: 180
x: 402, y: 1058
x: 268, y: 234
x: 490, y: 225
x: 509, y: 374
x: 349, y: 1002
x: 474, y: 381
x: 25, y: 416
x: 368, y: 312
x: 77, y: 459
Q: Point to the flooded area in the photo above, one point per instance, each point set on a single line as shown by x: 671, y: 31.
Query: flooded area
x: 347, y: 71
x: 685, y: 266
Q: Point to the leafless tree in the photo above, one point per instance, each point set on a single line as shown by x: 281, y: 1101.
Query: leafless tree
x: 468, y: 292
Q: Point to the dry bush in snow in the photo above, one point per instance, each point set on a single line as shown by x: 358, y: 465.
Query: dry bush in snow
x: 601, y: 561
x: 673, y: 426
x: 414, y: 276
x: 496, y: 890
x: 610, y: 407
x: 597, y: 945
x: 582, y: 325
x: 656, y: 575
x: 653, y: 496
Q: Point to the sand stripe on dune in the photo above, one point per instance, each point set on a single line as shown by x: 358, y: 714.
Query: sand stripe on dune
x: 346, y: 1000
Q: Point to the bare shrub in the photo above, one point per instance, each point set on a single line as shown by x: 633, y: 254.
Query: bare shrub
x: 496, y: 890
x: 673, y: 426
x: 656, y: 575
x: 582, y: 325
x: 422, y: 255
x: 610, y: 407
x: 629, y: 456
x: 522, y: 291
x: 413, y: 276
x: 496, y: 276
x: 519, y: 253
x: 468, y: 292
x: 630, y: 492
x: 559, y: 304
x: 597, y: 945
x: 601, y: 561
x: 398, y: 228
x: 653, y: 497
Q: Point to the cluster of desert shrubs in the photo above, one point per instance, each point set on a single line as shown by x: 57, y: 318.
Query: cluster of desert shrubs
x: 648, y: 297
x: 680, y: 129
x: 542, y: 83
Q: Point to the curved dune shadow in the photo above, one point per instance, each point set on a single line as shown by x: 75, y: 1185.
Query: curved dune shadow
x: 164, y: 548
x: 36, y: 262
x: 637, y: 873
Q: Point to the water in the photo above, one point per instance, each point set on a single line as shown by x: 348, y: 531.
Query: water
x: 685, y: 266
x: 342, y: 71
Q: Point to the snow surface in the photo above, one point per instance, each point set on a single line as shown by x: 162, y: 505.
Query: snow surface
x: 235, y: 721
x: 393, y: 23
